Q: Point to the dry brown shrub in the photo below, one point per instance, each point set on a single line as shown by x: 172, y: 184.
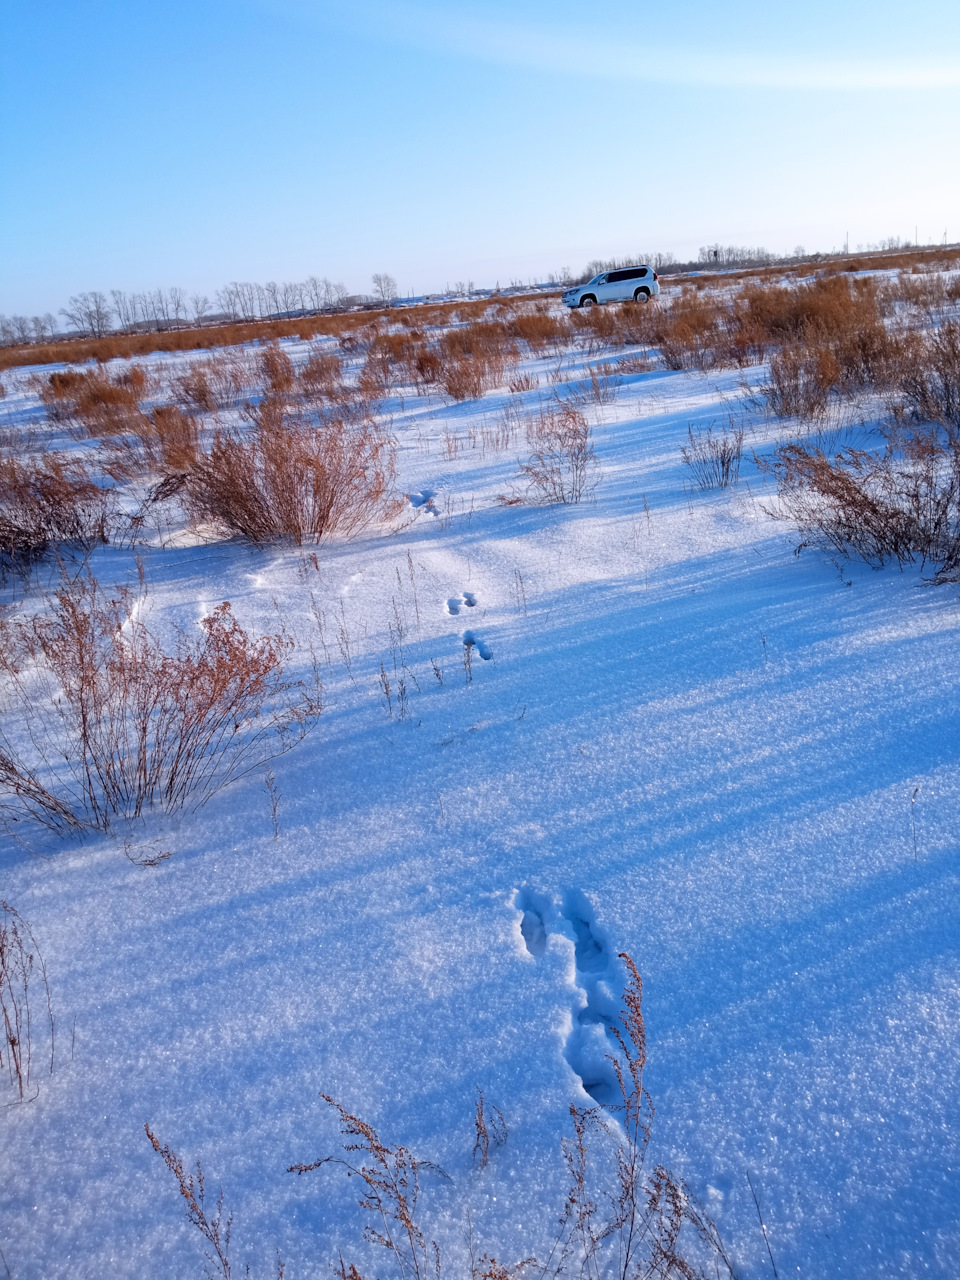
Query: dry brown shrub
x: 47, y: 501
x: 473, y: 357
x: 541, y: 332
x: 217, y: 382
x: 117, y: 722
x: 595, y: 323
x: 276, y: 369
x: 176, y: 437
x: 288, y: 478
x: 101, y: 406
x: 801, y: 380
x: 690, y: 332
x: 830, y: 307
x: 466, y: 378
x: 320, y: 380
x: 165, y: 440
x: 929, y: 377
x: 562, y: 466
x: 427, y: 369
x: 930, y: 295
x: 901, y: 504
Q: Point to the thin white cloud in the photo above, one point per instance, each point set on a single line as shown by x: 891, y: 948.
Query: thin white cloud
x: 592, y: 53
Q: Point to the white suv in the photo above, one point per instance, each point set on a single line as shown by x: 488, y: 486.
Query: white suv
x: 639, y: 283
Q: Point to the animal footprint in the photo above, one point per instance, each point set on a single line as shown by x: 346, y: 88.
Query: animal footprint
x: 590, y: 1041
x: 596, y: 1011
x: 455, y: 603
x: 423, y: 500
x: 536, y: 909
x: 471, y: 640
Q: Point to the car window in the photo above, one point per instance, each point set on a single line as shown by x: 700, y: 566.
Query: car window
x: 635, y: 273
x: 615, y: 276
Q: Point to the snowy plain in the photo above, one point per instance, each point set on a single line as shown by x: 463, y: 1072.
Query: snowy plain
x: 685, y: 743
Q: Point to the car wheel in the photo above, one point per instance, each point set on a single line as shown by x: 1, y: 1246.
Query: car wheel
x: 588, y: 300
x: 642, y: 295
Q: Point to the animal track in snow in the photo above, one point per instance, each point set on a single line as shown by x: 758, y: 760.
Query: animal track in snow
x: 596, y: 1009
x: 536, y: 908
x: 590, y: 1040
x: 423, y: 500
x: 472, y: 640
x: 455, y: 603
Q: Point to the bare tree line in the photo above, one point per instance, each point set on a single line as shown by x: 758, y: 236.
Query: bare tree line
x: 94, y: 314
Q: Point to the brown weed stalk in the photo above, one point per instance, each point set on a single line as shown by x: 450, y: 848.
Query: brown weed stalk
x: 20, y: 962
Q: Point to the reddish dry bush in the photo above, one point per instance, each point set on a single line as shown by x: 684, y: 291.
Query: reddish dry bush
x: 119, y: 722
x: 174, y: 440
x: 598, y: 324
x: 690, y: 333
x: 276, y: 369
x: 466, y: 378
x: 288, y: 479
x: 165, y: 440
x: 100, y: 405
x: 321, y: 378
x: 47, y: 502
x: 427, y: 369
x: 542, y: 333
x: 473, y: 357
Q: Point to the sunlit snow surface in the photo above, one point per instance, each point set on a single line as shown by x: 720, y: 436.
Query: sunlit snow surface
x: 685, y: 743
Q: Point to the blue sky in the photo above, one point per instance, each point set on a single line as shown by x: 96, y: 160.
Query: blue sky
x: 193, y: 143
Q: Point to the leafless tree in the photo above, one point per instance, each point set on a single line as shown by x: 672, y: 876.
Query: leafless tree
x: 89, y: 314
x: 384, y: 286
x: 272, y: 291
x: 199, y: 306
x: 315, y: 293
x: 336, y: 291
x: 125, y: 308
x: 292, y: 296
x: 177, y: 305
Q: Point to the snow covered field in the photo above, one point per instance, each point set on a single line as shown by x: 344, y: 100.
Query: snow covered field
x: 674, y: 738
